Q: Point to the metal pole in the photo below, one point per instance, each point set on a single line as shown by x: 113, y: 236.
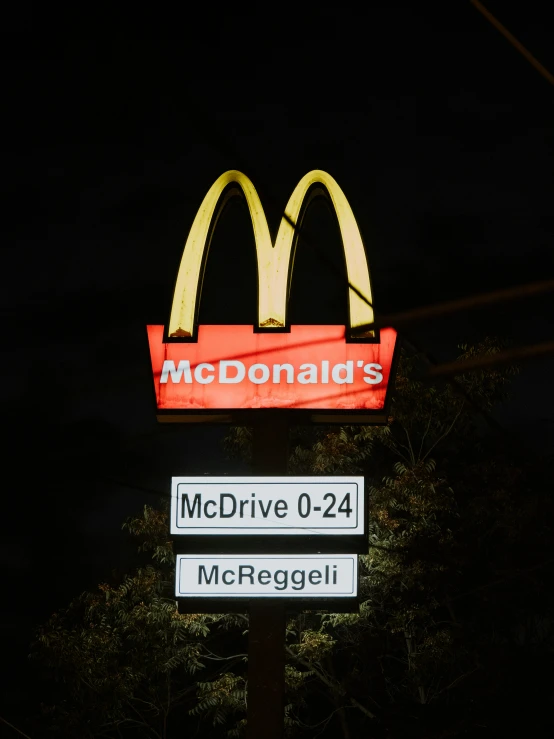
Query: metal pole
x: 266, y: 638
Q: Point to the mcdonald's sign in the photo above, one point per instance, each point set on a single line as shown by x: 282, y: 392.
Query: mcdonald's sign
x: 226, y: 373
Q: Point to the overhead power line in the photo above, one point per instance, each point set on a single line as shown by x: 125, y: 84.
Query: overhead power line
x: 541, y: 69
x: 494, y: 297
x: 213, y: 136
x: 450, y: 369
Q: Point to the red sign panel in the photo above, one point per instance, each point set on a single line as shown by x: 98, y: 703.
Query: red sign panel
x: 233, y: 368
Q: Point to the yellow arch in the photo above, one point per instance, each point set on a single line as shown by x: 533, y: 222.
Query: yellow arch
x: 357, y: 270
x: 273, y: 261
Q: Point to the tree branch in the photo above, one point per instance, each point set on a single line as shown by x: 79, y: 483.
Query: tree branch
x: 448, y: 430
x: 3, y: 720
x: 216, y: 657
x: 144, y: 723
x: 334, y: 686
x: 501, y: 580
x: 394, y: 444
x: 453, y: 683
x: 412, y: 455
x: 424, y: 436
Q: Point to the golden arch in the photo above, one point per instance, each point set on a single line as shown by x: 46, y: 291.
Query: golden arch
x: 274, y: 260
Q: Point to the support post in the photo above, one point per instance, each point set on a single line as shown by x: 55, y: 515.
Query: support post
x: 266, y: 638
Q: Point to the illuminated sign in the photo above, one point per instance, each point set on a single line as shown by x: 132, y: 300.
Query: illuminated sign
x: 267, y: 505
x: 218, y: 372
x: 266, y: 576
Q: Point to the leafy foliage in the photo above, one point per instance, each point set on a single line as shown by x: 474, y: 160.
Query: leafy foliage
x: 456, y: 619
x: 218, y: 698
x: 124, y: 657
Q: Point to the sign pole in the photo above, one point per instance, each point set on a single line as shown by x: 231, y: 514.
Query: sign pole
x: 266, y: 638
x: 299, y: 534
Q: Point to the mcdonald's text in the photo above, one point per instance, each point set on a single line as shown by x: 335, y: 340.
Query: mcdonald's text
x: 232, y: 371
x: 232, y: 367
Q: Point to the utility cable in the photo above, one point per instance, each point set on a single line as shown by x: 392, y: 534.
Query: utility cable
x: 541, y: 69
x: 544, y: 349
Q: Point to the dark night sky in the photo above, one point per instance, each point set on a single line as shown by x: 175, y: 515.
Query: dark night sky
x: 437, y: 130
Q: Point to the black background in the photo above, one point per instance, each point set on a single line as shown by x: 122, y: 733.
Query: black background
x: 437, y: 130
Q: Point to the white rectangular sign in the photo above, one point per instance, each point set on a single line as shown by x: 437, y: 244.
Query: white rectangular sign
x: 266, y: 576
x: 267, y: 505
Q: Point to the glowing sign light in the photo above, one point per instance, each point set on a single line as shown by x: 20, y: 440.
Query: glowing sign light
x: 273, y: 260
x: 202, y: 373
x: 266, y: 576
x: 230, y: 367
x: 267, y: 505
